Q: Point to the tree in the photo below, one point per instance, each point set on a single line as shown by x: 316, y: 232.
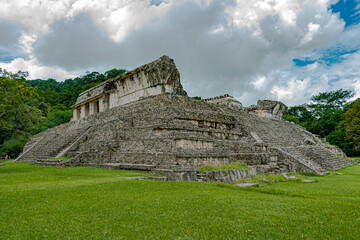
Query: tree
x: 28, y: 107
x: 352, y: 126
x: 18, y: 105
x: 13, y: 146
x: 339, y: 138
x: 300, y: 115
x: 19, y: 113
x: 114, y: 72
x: 329, y: 102
x: 331, y: 115
x: 327, y: 110
x: 58, y: 115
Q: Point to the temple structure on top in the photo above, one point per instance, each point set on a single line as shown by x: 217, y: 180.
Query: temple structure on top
x: 160, y: 76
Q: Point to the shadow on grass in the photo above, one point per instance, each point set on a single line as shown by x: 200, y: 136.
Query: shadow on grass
x: 7, y: 170
x: 274, y: 192
x: 277, y: 192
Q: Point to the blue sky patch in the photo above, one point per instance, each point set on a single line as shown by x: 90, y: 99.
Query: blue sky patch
x: 327, y: 56
x: 6, y: 57
x: 302, y: 62
x: 156, y: 2
x: 349, y: 11
x: 335, y: 55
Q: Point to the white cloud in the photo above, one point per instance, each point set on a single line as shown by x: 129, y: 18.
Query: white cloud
x: 356, y: 86
x: 313, y: 30
x: 241, y: 47
x: 219, y: 29
x: 26, y: 41
x: 310, y: 80
x: 259, y: 83
x: 298, y: 91
x: 36, y: 71
x: 294, y: 91
x: 119, y: 18
x: 248, y: 13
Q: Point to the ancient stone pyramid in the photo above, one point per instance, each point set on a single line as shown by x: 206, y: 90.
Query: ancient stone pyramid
x: 143, y: 121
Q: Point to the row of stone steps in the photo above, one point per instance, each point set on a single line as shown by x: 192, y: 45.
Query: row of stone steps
x: 295, y: 154
x: 322, y: 157
x: 272, y: 132
x: 129, y: 166
x: 159, y: 169
x: 330, y: 161
x: 50, y: 145
x: 50, y: 163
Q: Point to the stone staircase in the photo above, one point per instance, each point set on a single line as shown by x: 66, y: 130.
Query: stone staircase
x: 327, y: 159
x: 48, y: 162
x: 50, y: 146
x: 292, y: 139
x: 320, y: 156
x: 129, y: 166
x: 293, y: 154
x: 273, y: 132
x: 38, y: 149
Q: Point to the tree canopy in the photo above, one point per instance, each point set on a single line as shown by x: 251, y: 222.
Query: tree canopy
x: 28, y: 107
x: 326, y: 116
x: 18, y: 105
x: 352, y: 124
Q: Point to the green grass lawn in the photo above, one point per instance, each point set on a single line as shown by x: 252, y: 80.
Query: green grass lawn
x: 88, y: 203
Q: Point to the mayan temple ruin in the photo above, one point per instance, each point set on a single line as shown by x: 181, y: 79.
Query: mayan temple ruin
x: 144, y: 121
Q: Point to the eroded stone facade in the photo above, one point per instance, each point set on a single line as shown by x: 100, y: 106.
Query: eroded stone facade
x: 160, y: 76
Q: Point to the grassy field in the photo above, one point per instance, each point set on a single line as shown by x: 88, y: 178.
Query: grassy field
x: 88, y: 203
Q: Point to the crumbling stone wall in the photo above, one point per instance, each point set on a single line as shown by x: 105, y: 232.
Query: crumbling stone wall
x: 225, y: 100
x: 271, y: 109
x: 154, y: 78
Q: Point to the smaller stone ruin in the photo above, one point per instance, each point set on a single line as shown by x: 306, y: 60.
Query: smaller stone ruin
x: 269, y: 109
x: 225, y: 100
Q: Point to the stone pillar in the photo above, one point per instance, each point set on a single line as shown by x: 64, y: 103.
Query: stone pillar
x: 102, y: 106
x: 96, y: 107
x: 82, y: 111
x: 91, y: 108
x: 78, y: 113
x: 87, y: 110
x: 75, y: 114
x: 112, y: 100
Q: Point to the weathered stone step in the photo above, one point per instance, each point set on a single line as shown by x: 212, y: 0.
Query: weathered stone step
x: 129, y: 166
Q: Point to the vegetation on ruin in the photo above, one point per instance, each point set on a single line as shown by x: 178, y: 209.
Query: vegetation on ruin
x: 266, y: 179
x: 39, y: 202
x: 232, y: 165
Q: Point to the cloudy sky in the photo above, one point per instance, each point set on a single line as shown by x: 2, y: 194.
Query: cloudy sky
x: 247, y: 48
